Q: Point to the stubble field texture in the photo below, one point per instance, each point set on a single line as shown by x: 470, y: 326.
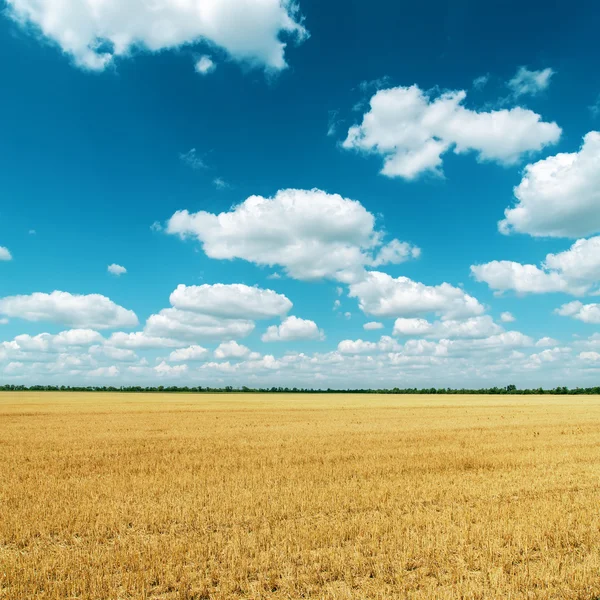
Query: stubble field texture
x: 156, y: 496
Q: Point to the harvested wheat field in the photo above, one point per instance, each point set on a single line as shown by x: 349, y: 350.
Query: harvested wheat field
x: 116, y: 496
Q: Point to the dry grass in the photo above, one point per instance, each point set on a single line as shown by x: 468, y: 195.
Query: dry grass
x: 332, y: 497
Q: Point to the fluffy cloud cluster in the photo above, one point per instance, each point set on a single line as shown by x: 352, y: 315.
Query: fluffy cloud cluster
x: 560, y: 195
x: 309, y: 233
x: 230, y: 301
x: 95, y: 33
x: 381, y: 295
x: 575, y: 271
x: 74, y: 310
x: 412, y: 131
x: 474, y: 327
x: 190, y: 353
x: 293, y: 328
x: 5, y: 254
x: 173, y: 323
x: 588, y: 313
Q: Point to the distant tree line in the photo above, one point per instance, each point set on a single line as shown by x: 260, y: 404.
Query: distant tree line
x: 509, y: 389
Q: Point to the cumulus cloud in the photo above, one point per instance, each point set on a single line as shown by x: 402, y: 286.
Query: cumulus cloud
x: 100, y: 372
x: 546, y: 342
x: 588, y: 313
x: 309, y: 233
x: 230, y: 301
x: 174, y: 323
x: 190, y: 353
x: 140, y: 340
x: 560, y: 195
x: 95, y: 33
x: 5, y: 255
x: 372, y: 325
x: 231, y: 350
x: 165, y: 370
x: 77, y: 337
x: 117, y: 270
x: 113, y: 353
x: 507, y: 317
x: 473, y: 327
x: 205, y: 65
x: 293, y: 328
x: 412, y: 131
x: 575, y: 271
x: 381, y: 295
x: 92, y: 311
x: 411, y: 326
x: 526, y: 82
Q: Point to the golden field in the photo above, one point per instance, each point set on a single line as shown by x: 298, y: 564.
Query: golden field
x: 118, y: 496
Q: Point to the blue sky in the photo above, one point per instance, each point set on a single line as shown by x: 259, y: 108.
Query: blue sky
x: 375, y: 122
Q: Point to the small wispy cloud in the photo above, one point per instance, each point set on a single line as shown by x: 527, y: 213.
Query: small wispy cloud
x: 192, y: 159
x: 156, y: 226
x: 530, y: 83
x: 205, y: 65
x: 117, y: 270
x: 221, y: 184
x: 595, y: 108
x: 480, y: 82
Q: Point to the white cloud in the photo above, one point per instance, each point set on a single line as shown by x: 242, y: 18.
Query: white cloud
x: 117, y: 270
x: 480, y: 82
x: 193, y: 160
x: 589, y: 356
x: 178, y: 324
x: 473, y: 327
x: 560, y: 195
x: 5, y: 254
x: 230, y: 301
x: 95, y: 33
x: 545, y: 342
x: 356, y: 347
x: 527, y: 82
x: 109, y: 372
x: 411, y: 131
x: 588, y: 313
x: 595, y: 108
x: 507, y: 317
x: 78, y: 337
x: 372, y: 325
x: 348, y: 315
x: 575, y: 271
x: 309, y: 233
x: 293, y: 328
x: 205, y: 65
x: 86, y: 311
x: 336, y: 304
x: 140, y: 340
x: 221, y: 184
x: 411, y: 326
x: 381, y: 295
x: 231, y: 350
x: 114, y: 354
x: 504, y: 275
x: 190, y: 353
x: 165, y: 370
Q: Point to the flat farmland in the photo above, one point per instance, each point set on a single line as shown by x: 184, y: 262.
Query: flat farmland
x: 139, y: 496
